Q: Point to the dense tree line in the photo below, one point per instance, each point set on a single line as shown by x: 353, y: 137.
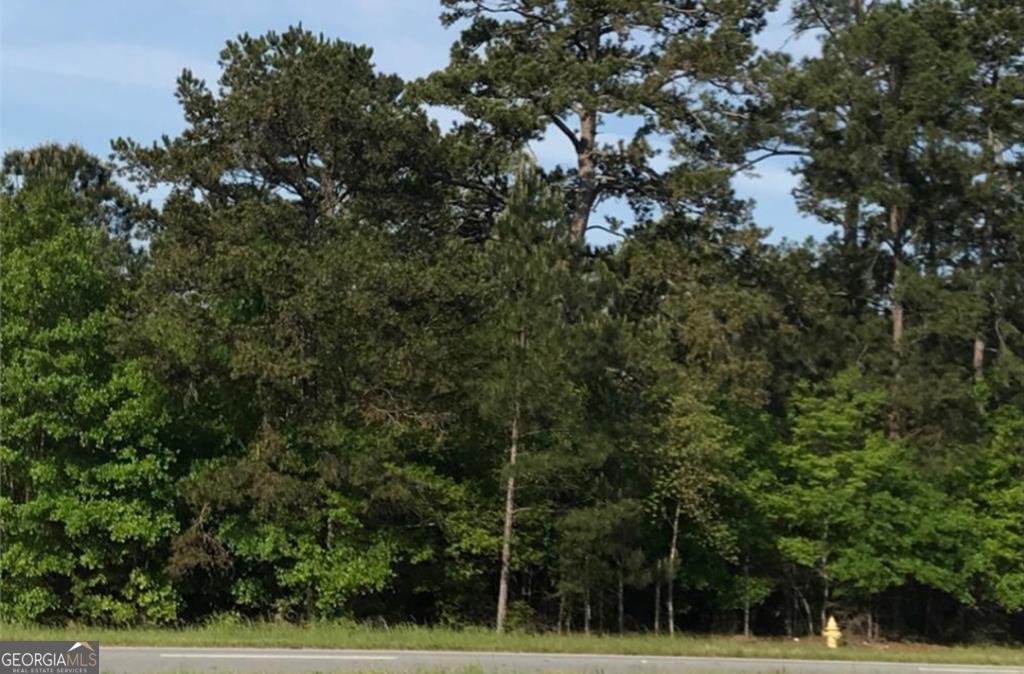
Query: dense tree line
x: 357, y: 366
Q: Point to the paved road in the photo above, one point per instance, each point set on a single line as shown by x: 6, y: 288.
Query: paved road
x: 296, y: 661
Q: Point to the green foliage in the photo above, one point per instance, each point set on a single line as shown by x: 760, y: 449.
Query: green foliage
x: 87, y: 483
x: 999, y: 501
x: 356, y: 363
x: 520, y: 67
x: 853, y: 508
x: 525, y: 340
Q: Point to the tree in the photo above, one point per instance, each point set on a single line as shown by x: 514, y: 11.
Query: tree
x: 356, y: 368
x: 307, y: 120
x: 850, y: 507
x: 527, y: 384
x: 691, y: 462
x: 698, y: 359
x: 87, y: 477
x: 882, y: 116
x: 999, y: 500
x: 991, y: 236
x: 522, y: 66
x: 296, y: 309
x: 600, y: 546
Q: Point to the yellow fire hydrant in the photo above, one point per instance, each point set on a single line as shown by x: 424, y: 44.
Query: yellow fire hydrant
x: 831, y: 633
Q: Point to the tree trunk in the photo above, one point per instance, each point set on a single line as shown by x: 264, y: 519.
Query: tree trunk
x: 506, y: 536
x: 802, y: 601
x: 851, y: 249
x: 586, y: 611
x: 670, y: 608
x: 746, y: 599
x: 851, y: 226
x: 824, y: 598
x: 670, y: 589
x: 561, y: 613
x: 790, y: 602
x: 979, y: 358
x: 657, y: 603
x: 586, y: 167
x: 621, y: 605
x: 985, y: 264
x: 897, y: 303
x: 895, y: 422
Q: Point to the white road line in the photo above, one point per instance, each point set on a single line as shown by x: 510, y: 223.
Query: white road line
x: 275, y: 656
x: 965, y: 670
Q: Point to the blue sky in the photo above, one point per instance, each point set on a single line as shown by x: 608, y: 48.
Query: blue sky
x: 87, y: 72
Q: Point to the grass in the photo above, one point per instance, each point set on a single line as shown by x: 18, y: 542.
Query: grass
x: 326, y: 635
x: 475, y: 669
x: 452, y: 670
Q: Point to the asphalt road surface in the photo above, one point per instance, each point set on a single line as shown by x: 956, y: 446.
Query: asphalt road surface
x: 121, y: 660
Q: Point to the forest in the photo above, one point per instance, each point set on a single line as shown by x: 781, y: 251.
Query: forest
x: 320, y: 357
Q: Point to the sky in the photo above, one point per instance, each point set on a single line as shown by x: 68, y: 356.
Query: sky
x: 88, y: 72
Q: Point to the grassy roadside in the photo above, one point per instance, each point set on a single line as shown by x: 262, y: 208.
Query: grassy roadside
x: 474, y: 669
x: 318, y: 635
x: 452, y: 670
